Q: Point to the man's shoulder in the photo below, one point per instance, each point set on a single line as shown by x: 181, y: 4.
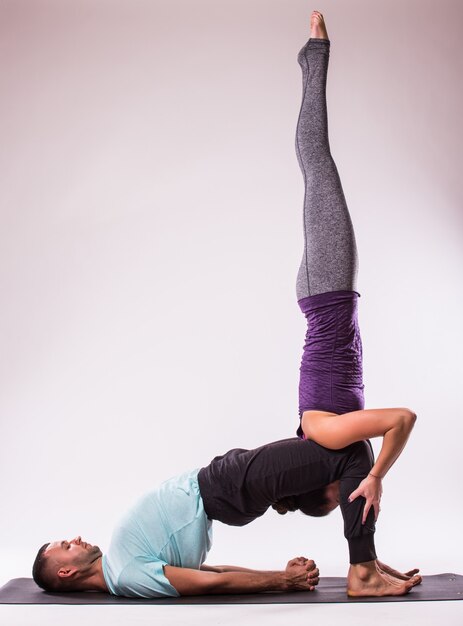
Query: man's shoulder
x: 144, y: 577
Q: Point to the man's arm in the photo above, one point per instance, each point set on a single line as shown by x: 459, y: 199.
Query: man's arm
x: 220, y: 569
x: 300, y: 574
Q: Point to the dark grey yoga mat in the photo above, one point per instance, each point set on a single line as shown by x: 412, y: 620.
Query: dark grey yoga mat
x: 437, y: 587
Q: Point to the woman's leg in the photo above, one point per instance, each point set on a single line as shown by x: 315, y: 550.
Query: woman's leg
x: 329, y: 262
x: 331, y: 370
x: 331, y: 378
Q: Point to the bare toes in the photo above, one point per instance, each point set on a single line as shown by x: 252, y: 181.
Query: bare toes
x: 412, y: 572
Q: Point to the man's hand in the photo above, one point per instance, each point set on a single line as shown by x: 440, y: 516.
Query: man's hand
x: 371, y: 489
x: 302, y: 574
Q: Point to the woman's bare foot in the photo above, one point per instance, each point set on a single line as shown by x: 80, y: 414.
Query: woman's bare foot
x: 364, y: 579
x: 386, y: 569
x: 317, y: 26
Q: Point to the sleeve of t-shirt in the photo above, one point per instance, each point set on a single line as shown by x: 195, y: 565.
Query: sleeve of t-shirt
x: 145, y: 578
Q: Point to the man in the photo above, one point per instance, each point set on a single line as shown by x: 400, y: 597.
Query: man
x: 159, y: 547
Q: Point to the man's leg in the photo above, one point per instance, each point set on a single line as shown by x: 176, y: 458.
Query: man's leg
x: 241, y: 485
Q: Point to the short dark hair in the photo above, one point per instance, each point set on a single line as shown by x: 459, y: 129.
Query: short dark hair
x: 40, y: 572
x: 43, y: 574
x: 315, y: 503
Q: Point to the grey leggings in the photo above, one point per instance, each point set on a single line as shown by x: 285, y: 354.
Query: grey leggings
x: 330, y: 260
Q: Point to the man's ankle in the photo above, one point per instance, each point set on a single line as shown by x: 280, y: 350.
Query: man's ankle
x: 362, y: 571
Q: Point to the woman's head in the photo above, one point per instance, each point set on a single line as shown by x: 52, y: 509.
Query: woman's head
x: 316, y: 503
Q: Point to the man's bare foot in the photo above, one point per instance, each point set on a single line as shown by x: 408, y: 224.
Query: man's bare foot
x: 364, y: 579
x: 386, y: 569
x: 317, y: 26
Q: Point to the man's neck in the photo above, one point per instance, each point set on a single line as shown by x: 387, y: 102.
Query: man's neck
x: 96, y: 580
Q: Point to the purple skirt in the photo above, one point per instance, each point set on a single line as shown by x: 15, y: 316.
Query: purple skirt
x: 331, y: 373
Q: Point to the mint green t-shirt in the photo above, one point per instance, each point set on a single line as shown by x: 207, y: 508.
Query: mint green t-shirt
x: 166, y: 526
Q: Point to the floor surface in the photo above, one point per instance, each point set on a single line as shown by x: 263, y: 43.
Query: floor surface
x: 379, y: 614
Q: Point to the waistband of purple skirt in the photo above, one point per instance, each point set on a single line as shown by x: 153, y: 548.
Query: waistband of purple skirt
x: 327, y: 299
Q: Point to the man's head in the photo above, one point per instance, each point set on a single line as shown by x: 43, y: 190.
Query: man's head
x: 65, y: 565
x: 316, y: 503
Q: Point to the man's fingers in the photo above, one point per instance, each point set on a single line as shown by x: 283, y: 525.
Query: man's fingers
x: 310, y: 565
x: 353, y: 496
x: 312, y: 582
x: 314, y: 573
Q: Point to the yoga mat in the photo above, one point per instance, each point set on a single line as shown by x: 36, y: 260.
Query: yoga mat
x: 330, y: 589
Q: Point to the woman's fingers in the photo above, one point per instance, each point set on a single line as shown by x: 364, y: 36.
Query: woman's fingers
x: 365, y: 512
x: 371, y: 503
x: 372, y: 498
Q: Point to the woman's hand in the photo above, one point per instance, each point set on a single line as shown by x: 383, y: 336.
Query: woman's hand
x: 371, y: 489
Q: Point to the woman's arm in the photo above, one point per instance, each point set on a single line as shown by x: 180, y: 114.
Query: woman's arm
x: 338, y: 431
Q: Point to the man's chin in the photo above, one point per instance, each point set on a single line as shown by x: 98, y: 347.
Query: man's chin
x: 96, y: 552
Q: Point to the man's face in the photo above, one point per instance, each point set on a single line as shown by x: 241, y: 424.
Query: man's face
x: 76, y: 554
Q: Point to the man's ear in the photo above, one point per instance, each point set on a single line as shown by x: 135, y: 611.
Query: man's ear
x: 67, y: 572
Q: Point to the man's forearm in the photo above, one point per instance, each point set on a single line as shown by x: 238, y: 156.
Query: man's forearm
x: 252, y: 581
x: 300, y: 574
x: 197, y: 582
x: 220, y: 569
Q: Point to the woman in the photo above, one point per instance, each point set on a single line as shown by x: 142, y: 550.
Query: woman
x: 331, y: 402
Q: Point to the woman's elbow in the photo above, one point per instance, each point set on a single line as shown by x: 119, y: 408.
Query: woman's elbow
x: 408, y: 419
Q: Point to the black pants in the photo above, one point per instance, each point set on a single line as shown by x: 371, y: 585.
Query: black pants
x: 241, y: 485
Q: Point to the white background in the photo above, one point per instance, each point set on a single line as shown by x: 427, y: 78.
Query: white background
x: 150, y: 236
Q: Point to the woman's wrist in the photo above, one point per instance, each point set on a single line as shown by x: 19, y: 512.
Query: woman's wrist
x: 375, y: 476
